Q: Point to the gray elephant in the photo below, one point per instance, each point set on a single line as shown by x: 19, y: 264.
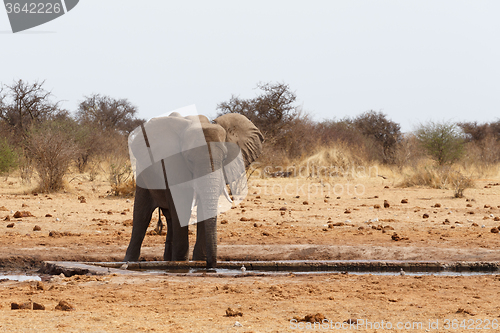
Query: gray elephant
x: 192, y: 165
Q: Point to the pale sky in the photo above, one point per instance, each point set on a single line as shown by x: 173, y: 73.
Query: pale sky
x: 413, y: 60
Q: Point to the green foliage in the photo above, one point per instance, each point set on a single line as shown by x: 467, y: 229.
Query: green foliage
x: 8, y: 157
x: 444, y: 142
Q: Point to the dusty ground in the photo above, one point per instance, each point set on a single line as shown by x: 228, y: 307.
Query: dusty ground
x: 324, y: 222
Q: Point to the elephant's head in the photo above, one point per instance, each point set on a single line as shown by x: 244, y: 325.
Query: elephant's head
x: 194, y: 159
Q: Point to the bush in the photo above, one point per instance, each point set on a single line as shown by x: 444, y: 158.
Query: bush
x: 8, y: 157
x: 51, y: 150
x: 385, y: 134
x: 444, y: 142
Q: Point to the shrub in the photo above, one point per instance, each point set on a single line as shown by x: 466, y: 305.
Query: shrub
x: 444, y: 142
x: 8, y: 158
x: 51, y: 149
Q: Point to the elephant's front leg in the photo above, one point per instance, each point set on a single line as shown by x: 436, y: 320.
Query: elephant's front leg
x: 180, y: 241
x: 167, y: 255
x: 199, y: 247
x: 143, y: 210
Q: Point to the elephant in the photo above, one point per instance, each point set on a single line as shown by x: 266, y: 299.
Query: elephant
x: 206, y: 156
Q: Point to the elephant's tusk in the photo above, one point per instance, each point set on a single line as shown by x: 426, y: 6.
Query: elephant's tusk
x: 227, y: 195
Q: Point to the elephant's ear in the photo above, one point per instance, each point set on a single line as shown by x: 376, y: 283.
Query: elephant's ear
x: 244, y: 133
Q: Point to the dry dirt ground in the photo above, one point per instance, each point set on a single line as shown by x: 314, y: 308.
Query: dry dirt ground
x: 280, y: 219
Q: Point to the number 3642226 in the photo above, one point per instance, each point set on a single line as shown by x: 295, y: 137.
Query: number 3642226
x: 33, y: 8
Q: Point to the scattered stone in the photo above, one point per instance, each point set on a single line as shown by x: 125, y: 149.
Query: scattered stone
x: 246, y: 219
x: 351, y: 321
x: 475, y: 224
x: 265, y: 233
x: 283, y: 208
x: 23, y: 306
x: 61, y: 234
x: 257, y: 225
x: 336, y: 224
x: 425, y: 216
x: 461, y: 310
x: 224, y: 222
x: 19, y: 214
x: 24, y: 205
x: 468, y: 205
x: 130, y: 222
x: 396, y: 237
x: 233, y: 313
x: 386, y: 186
x: 10, y: 225
x: 404, y: 201
x: 64, y: 306
x: 58, y: 219
x: 437, y: 205
x: 317, y: 318
x: 487, y: 206
x: 305, y: 203
x: 494, y: 230
x: 38, y: 306
x: 496, y: 218
x: 37, y: 228
x: 48, y: 215
x: 7, y: 218
x: 3, y: 209
x: 109, y: 212
x: 386, y: 204
x: 376, y: 206
x: 347, y: 211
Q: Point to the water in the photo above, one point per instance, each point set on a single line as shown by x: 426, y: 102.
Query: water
x: 20, y: 277
x: 235, y: 272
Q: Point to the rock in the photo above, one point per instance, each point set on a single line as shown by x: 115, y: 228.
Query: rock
x: 425, y: 216
x: 316, y: 318
x: 283, y: 208
x: 233, y: 313
x: 475, y: 224
x: 496, y: 218
x: 494, y: 230
x: 245, y: 219
x: 64, y: 306
x: 437, y: 205
x: 224, y: 222
x: 468, y: 205
x: 128, y: 223
x: 351, y: 321
x: 57, y: 219
x: 37, y: 228
x: 24, y: 205
x: 7, y: 218
x: 386, y: 186
x: 19, y: 214
x: 305, y: 203
x: 347, y: 211
x: 3, y: 209
x: 10, y: 225
x: 38, y: 306
x: 40, y: 285
x: 23, y: 306
x: 237, y: 324
x: 376, y: 206
x: 404, y: 201
x: 48, y: 215
x: 386, y: 204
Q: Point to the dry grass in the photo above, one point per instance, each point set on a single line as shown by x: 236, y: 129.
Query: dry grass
x: 430, y: 175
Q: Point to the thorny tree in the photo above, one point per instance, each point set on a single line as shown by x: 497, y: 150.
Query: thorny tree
x: 22, y: 104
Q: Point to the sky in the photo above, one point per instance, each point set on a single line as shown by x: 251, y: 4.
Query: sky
x: 412, y: 60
